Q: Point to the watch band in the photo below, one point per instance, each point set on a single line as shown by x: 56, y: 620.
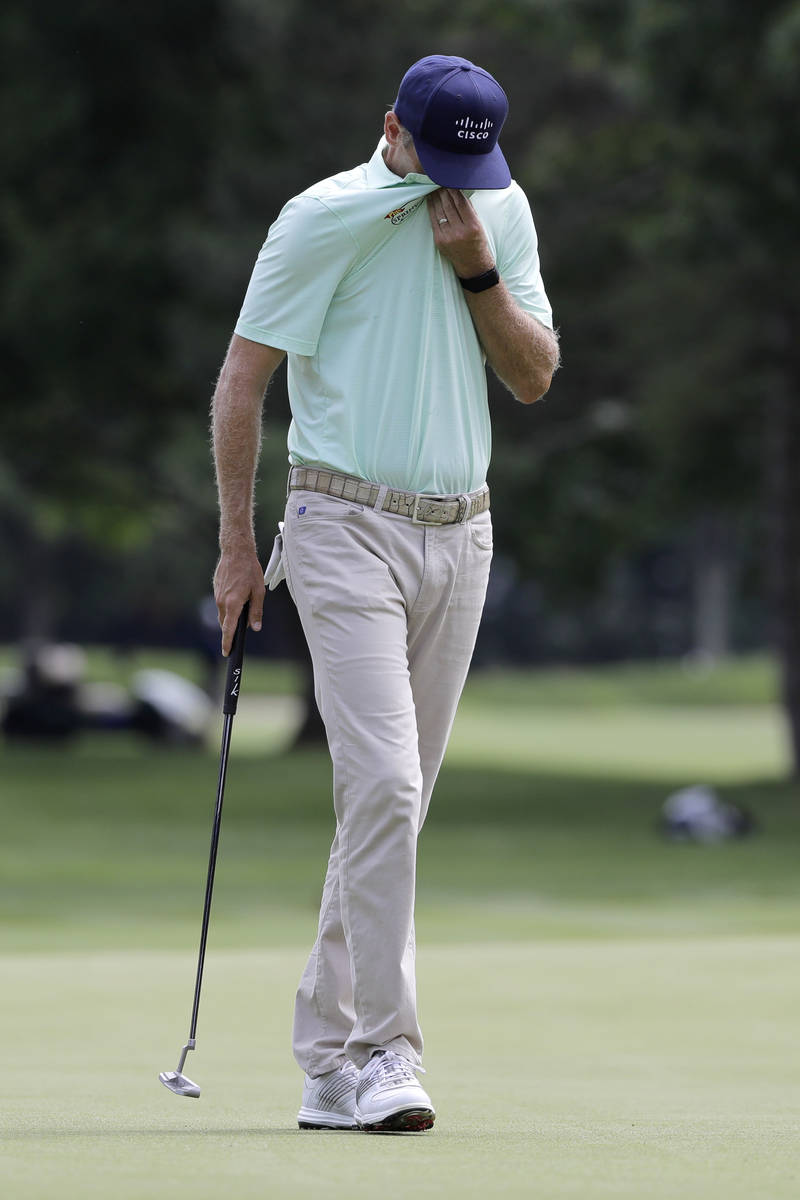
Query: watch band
x: 479, y: 283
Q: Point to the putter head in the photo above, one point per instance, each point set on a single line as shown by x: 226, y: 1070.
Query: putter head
x: 179, y: 1084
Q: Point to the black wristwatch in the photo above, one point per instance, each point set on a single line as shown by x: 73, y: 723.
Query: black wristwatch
x: 479, y: 283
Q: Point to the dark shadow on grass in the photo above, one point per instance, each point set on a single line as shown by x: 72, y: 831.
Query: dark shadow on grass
x: 163, y: 787
x: 105, y: 829
x: 500, y: 796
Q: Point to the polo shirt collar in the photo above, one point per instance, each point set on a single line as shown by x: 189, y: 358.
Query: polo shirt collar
x: 379, y: 175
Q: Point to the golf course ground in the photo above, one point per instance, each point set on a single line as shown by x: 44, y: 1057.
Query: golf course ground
x: 607, y: 1013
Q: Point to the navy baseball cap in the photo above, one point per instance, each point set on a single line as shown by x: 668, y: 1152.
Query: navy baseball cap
x: 455, y: 111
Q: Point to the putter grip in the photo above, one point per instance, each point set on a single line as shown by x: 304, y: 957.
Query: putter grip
x: 235, y: 660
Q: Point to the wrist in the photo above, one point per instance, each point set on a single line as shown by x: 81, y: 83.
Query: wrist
x: 237, y: 541
x: 482, y: 282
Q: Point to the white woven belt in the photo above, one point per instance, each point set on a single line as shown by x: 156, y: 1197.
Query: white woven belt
x: 420, y: 508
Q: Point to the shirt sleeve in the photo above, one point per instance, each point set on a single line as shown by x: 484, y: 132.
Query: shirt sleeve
x: 518, y: 259
x: 307, y: 253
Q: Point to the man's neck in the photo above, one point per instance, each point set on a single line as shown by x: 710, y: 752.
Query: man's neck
x: 402, y: 162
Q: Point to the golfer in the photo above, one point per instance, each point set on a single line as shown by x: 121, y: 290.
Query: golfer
x: 388, y: 286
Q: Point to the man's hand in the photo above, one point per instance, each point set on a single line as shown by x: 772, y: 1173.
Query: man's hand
x: 522, y: 351
x: 458, y: 233
x: 238, y: 578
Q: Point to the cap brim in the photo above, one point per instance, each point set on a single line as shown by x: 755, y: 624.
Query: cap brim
x: 488, y: 171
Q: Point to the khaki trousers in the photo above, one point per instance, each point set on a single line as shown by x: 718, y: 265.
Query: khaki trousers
x: 391, y: 611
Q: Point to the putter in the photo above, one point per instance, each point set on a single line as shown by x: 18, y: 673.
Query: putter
x: 175, y: 1080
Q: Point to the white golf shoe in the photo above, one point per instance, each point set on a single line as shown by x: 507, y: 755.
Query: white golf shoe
x: 329, y: 1101
x: 390, y: 1098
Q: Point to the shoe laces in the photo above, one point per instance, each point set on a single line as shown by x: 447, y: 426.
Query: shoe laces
x: 393, y: 1068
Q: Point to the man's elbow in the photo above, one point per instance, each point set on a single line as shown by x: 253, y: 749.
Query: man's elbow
x: 535, y: 386
x: 538, y: 379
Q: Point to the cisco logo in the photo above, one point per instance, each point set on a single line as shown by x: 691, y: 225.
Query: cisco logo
x: 474, y: 131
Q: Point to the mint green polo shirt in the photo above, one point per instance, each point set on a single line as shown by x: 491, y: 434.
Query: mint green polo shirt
x: 387, y: 377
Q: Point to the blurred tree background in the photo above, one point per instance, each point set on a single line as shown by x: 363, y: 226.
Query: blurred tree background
x: 649, y: 508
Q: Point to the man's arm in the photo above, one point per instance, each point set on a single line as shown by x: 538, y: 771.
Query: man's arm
x: 522, y: 351
x: 236, y: 433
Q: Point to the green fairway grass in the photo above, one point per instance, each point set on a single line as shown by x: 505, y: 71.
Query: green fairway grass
x: 596, y: 1068
x: 607, y: 1013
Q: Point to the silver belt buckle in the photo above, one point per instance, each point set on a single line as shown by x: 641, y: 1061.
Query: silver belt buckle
x: 424, y: 510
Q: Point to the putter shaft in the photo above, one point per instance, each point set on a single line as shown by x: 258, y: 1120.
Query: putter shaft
x: 176, y: 1081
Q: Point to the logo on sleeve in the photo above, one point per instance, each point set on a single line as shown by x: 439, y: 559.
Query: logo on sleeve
x: 399, y: 214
